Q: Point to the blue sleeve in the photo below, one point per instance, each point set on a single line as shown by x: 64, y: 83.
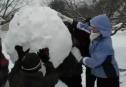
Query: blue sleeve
x: 99, y: 55
x: 83, y: 26
x: 94, y: 62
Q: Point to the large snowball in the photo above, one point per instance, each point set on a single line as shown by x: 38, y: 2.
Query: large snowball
x: 35, y: 28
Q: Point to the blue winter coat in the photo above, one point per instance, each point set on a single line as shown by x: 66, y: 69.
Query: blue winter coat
x: 102, y: 61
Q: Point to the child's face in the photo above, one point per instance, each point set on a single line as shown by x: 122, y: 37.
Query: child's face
x: 93, y: 29
x: 94, y: 33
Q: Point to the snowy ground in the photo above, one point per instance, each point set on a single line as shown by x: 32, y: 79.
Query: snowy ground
x: 119, y: 43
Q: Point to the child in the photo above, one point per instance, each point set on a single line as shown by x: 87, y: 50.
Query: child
x: 102, y: 60
x: 102, y: 63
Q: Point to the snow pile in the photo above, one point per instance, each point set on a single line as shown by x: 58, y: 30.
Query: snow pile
x: 35, y: 28
x: 2, y: 34
x: 119, y: 43
x: 33, y: 2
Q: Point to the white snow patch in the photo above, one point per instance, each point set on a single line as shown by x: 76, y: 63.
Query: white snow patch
x: 76, y: 52
x: 60, y: 84
x: 83, y: 76
x: 119, y: 43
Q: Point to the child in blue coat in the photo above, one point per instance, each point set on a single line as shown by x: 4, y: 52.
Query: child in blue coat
x: 102, y: 60
x: 102, y: 63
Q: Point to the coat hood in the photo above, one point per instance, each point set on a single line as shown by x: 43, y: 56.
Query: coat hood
x: 102, y: 24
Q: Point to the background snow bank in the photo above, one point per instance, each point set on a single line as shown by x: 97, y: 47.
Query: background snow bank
x: 35, y: 28
x: 119, y: 43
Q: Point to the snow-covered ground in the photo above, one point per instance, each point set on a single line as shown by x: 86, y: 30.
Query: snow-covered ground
x: 119, y: 43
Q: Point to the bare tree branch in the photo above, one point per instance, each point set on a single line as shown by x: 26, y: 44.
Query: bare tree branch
x: 9, y: 8
x: 2, y: 8
x: 6, y: 7
x: 72, y: 8
x: 13, y: 8
x: 117, y: 29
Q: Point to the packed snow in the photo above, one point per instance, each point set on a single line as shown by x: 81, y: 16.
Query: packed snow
x: 35, y: 28
x: 119, y: 43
